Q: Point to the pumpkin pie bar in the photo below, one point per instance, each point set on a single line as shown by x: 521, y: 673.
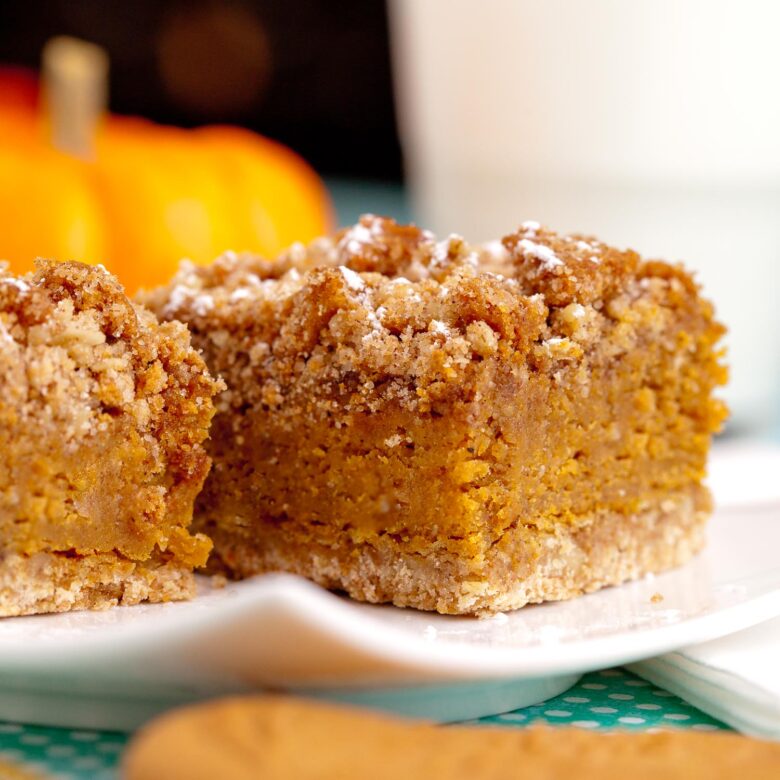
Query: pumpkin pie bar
x: 454, y: 428
x: 103, y: 415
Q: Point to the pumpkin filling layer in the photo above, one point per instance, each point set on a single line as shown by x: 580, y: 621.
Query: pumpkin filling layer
x: 454, y: 428
x: 103, y: 414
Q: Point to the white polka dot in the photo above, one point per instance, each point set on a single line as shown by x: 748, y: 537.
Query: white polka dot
x: 60, y: 751
x: 115, y: 747
x: 676, y: 716
x: 611, y: 673
x: 603, y: 710
x: 620, y: 696
x: 630, y: 720
x: 636, y: 683
x: 88, y: 762
x: 648, y: 706
x: 557, y: 713
x: 36, y: 766
x: 515, y: 716
x: 576, y: 699
x: 12, y: 755
x: 34, y: 739
x: 663, y: 694
x: 586, y: 724
x: 594, y: 687
x: 705, y: 727
x: 84, y: 736
x: 10, y: 728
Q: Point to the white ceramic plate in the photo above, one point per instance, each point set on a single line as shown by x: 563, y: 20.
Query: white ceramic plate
x: 113, y: 669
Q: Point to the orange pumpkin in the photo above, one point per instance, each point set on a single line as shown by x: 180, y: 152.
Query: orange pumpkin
x: 151, y: 196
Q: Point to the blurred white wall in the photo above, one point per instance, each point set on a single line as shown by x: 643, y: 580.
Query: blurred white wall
x: 654, y: 124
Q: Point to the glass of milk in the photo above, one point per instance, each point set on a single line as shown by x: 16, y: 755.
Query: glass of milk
x: 653, y: 124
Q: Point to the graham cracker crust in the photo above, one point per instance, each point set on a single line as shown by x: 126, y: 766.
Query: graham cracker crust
x: 51, y: 582
x: 525, y: 566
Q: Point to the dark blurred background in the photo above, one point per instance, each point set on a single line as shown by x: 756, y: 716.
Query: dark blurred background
x: 313, y: 74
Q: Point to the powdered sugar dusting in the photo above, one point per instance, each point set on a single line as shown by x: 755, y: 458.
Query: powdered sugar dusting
x: 5, y: 335
x: 357, y: 238
x: 241, y: 294
x: 202, y: 304
x: 373, y: 319
x: 20, y: 285
x: 588, y: 246
x: 353, y: 280
x: 364, y: 233
x: 179, y: 295
x: 441, y: 250
x: 406, y: 287
x: 530, y: 226
x: 540, y: 252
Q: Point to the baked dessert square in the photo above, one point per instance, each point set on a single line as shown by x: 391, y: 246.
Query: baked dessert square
x: 454, y: 428
x: 103, y: 415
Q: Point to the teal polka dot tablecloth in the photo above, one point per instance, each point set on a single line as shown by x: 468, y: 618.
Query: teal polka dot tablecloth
x: 601, y: 701
x: 61, y: 753
x: 609, y: 700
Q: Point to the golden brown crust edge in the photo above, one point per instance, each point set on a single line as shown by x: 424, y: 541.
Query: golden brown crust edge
x: 48, y: 582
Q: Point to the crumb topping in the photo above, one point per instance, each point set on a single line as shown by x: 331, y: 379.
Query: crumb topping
x: 544, y: 254
x: 74, y: 349
x: 383, y: 308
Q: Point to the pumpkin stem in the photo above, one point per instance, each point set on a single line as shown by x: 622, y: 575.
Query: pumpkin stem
x: 75, y: 83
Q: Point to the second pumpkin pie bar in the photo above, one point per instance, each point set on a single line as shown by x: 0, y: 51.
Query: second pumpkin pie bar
x: 103, y: 416
x: 454, y: 428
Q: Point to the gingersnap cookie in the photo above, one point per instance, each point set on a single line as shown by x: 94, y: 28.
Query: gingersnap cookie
x: 284, y: 738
